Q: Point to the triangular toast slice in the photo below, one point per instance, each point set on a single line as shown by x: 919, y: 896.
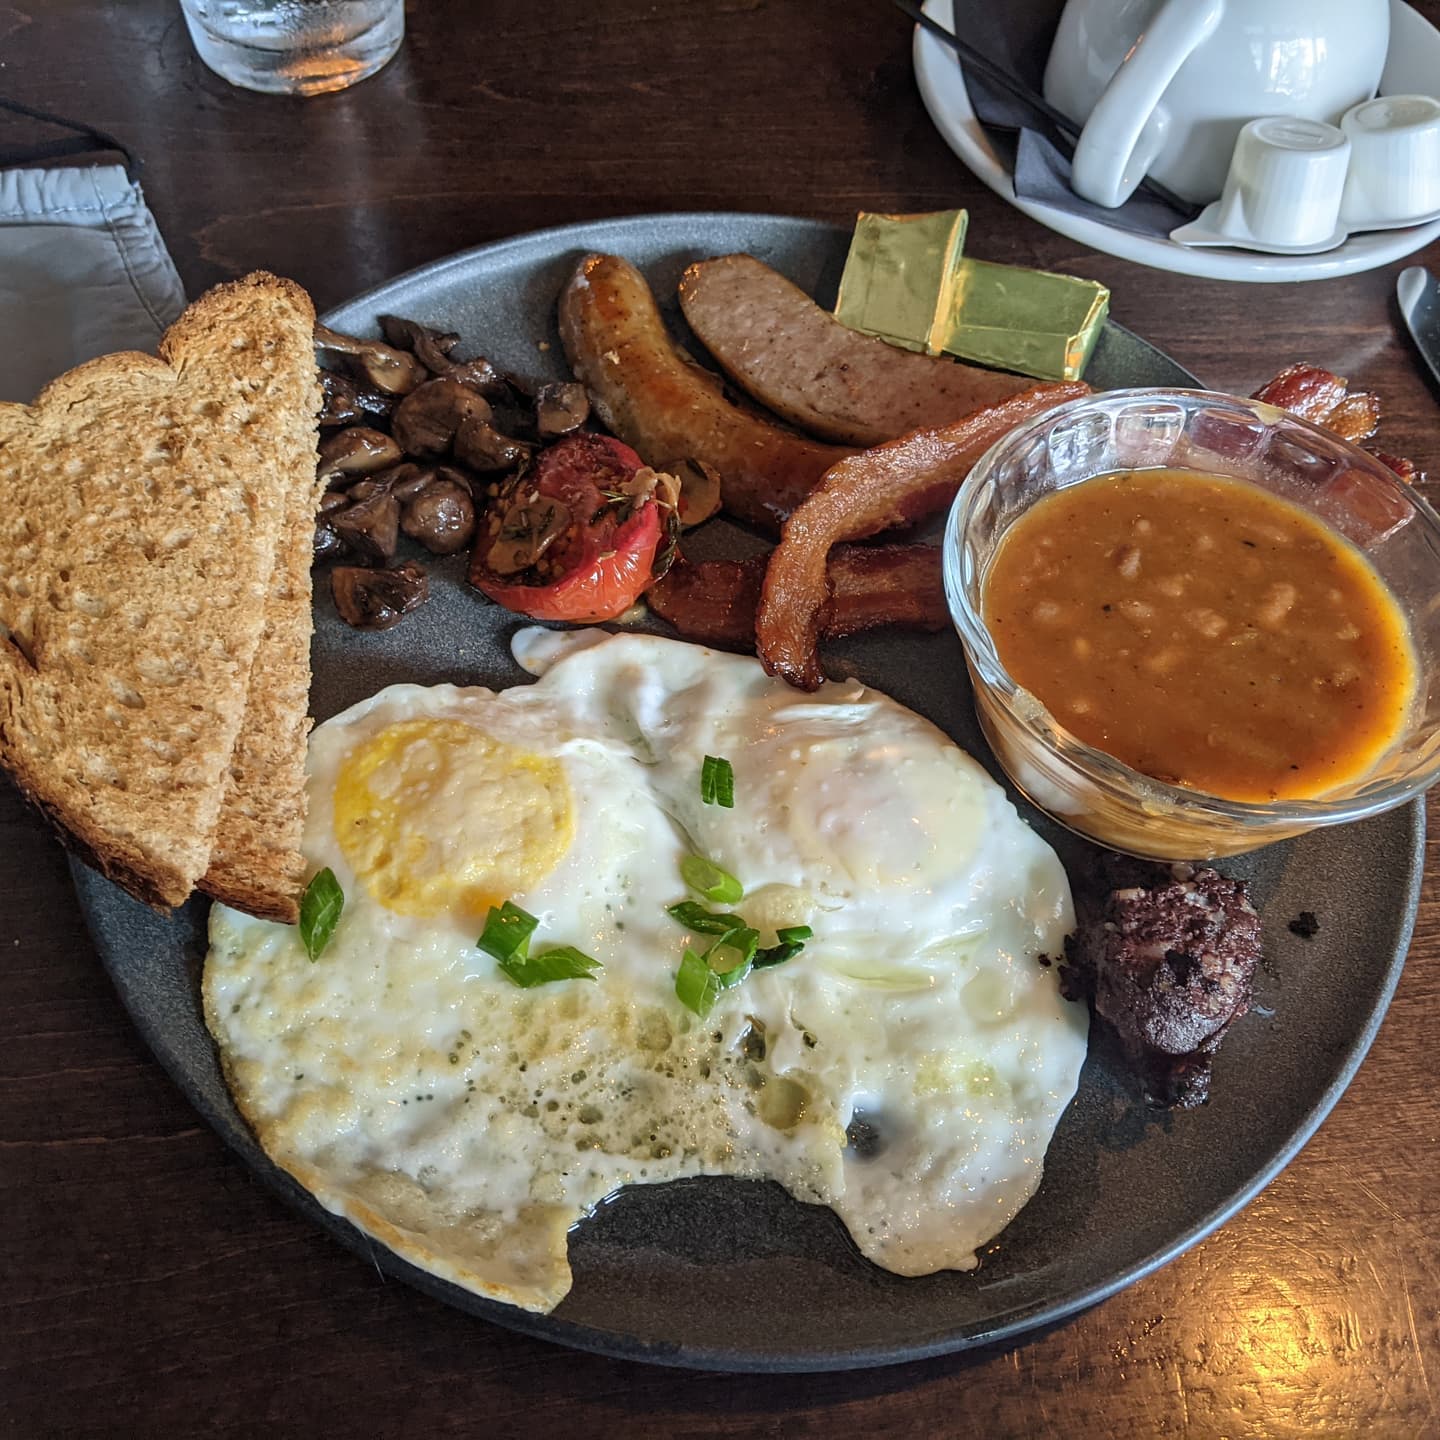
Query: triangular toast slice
x: 256, y: 864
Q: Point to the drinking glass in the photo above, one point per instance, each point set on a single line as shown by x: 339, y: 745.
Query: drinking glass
x: 295, y: 47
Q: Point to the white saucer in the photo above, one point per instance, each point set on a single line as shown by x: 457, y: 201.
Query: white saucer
x: 1412, y: 69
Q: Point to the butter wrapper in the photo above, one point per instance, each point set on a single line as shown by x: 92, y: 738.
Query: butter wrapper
x: 900, y: 275
x: 1031, y: 321
x: 906, y: 281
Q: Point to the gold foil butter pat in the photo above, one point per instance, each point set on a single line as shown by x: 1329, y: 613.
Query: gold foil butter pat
x: 1031, y: 321
x: 906, y: 281
x: 900, y: 276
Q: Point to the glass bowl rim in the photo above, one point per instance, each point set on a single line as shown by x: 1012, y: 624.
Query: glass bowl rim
x: 1119, y: 780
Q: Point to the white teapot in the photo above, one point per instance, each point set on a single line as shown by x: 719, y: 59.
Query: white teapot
x: 1163, y: 87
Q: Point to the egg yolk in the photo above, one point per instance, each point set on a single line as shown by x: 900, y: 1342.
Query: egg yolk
x: 436, y: 817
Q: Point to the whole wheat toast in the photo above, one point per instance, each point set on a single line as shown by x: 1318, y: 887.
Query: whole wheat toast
x: 145, y: 501
x: 256, y: 864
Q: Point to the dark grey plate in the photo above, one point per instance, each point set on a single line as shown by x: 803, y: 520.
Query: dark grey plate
x: 735, y: 1275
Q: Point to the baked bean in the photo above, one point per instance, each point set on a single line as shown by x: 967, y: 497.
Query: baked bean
x: 1278, y: 602
x: 1127, y: 561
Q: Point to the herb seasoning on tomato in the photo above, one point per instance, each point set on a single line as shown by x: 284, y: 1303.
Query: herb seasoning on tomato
x: 578, y: 534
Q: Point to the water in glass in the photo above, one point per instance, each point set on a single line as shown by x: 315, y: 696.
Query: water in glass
x: 295, y: 47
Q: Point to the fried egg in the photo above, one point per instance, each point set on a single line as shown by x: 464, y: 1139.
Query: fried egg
x: 907, y: 1068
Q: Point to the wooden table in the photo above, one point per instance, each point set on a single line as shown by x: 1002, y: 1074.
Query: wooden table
x: 150, y: 1285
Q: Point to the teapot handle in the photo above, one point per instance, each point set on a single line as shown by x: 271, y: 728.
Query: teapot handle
x: 1110, y: 160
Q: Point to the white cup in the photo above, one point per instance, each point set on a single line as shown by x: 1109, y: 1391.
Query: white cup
x: 1394, y: 161
x: 1285, y: 182
x: 1163, y: 87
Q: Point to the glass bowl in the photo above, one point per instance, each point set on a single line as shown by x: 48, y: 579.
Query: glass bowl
x: 1351, y: 491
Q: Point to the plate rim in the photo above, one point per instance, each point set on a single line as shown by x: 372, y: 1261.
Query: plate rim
x: 556, y: 1329
x: 947, y: 102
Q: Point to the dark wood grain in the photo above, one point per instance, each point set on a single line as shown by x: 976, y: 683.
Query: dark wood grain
x: 149, y: 1285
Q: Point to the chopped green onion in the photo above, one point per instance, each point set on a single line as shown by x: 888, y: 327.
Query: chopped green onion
x: 507, y: 937
x: 507, y: 932
x: 731, y: 956
x: 729, y: 979
x: 717, y: 782
x: 564, y: 962
x: 696, y: 984
x: 702, y: 921
x: 735, y: 953
x: 706, y: 878
x: 792, y: 941
x: 777, y: 954
x: 320, y: 909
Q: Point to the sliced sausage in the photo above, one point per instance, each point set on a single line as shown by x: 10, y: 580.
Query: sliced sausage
x: 777, y: 344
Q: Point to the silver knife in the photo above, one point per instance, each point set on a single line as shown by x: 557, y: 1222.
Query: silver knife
x: 1419, y: 294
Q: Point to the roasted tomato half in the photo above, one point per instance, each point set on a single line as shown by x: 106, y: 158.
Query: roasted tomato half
x: 578, y: 534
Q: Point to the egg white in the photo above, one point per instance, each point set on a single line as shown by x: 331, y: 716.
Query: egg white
x: 907, y: 1069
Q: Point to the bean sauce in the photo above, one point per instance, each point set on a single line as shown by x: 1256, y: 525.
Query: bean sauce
x: 1203, y: 631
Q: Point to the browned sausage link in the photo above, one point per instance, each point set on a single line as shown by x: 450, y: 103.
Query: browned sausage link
x: 714, y: 602
x: 781, y: 347
x: 653, y: 398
